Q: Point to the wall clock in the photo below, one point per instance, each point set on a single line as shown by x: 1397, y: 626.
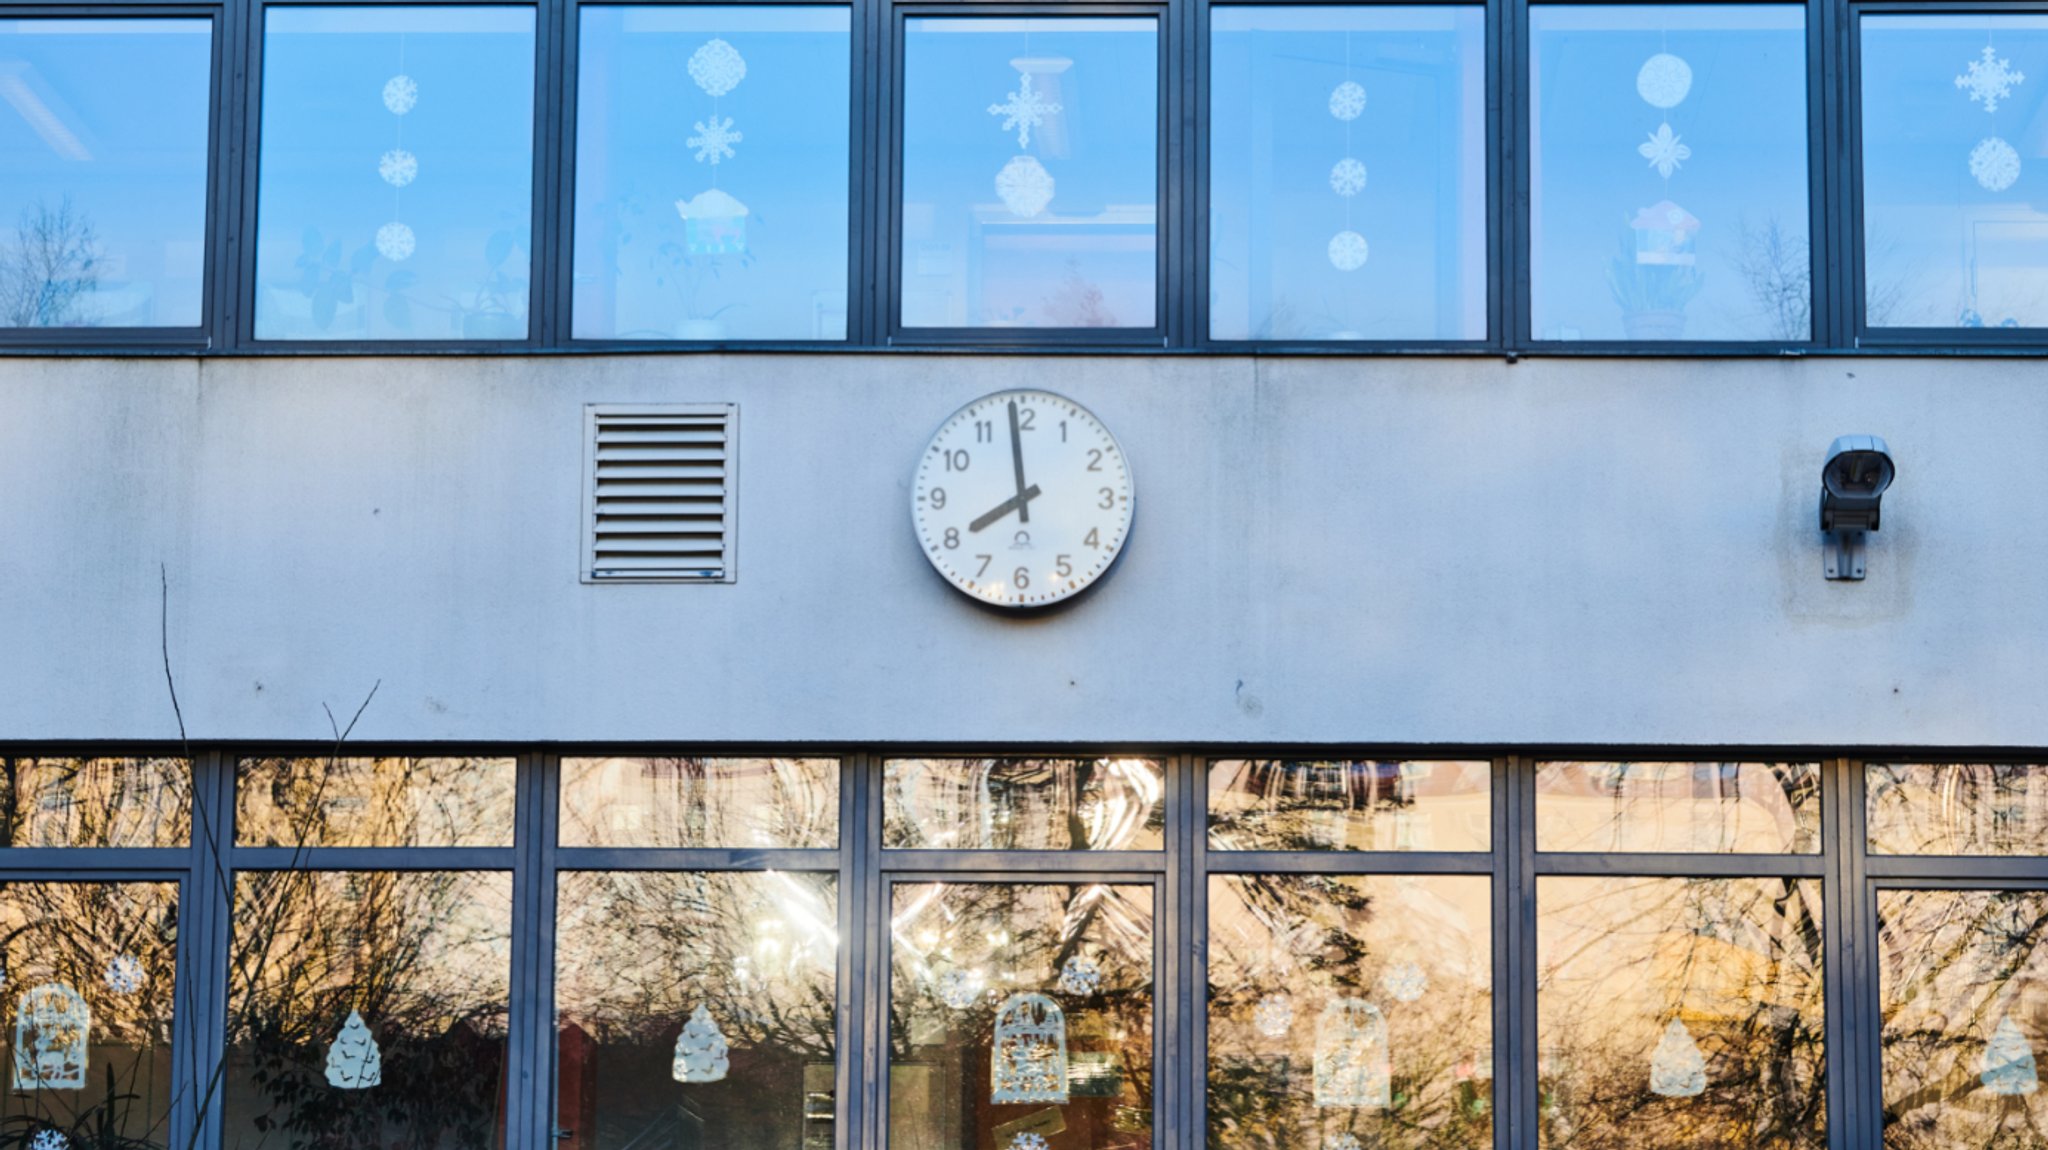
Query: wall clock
x: 1023, y: 499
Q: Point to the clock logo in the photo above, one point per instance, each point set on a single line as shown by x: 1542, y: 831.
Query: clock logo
x: 1022, y: 500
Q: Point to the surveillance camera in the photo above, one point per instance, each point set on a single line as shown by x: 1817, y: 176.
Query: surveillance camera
x: 1852, y: 483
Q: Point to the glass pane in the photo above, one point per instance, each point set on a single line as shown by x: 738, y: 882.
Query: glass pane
x: 1957, y: 808
x: 1965, y: 991
x: 90, y: 993
x: 1356, y: 1005
x: 1030, y: 172
x: 736, y: 803
x: 1020, y: 1010
x: 95, y: 802
x: 1024, y: 804
x: 1321, y: 805
x: 737, y: 230
x: 1679, y: 1013
x: 103, y: 210
x: 695, y: 1010
x: 1347, y: 173
x: 1953, y: 232
x: 374, y: 802
x: 396, y: 175
x: 1738, y: 808
x: 1668, y: 196
x: 367, y: 1008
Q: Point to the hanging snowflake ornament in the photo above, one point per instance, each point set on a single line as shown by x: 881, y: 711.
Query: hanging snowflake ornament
x: 1028, y: 1141
x: 124, y: 974
x: 1405, y: 981
x: 717, y: 67
x: 1273, y: 1015
x: 1677, y: 1069
x: 1348, y: 177
x: 395, y: 242
x: 400, y: 94
x: 1024, y: 186
x: 1024, y: 110
x: 1664, y: 151
x: 1994, y: 164
x: 700, y: 1049
x: 398, y: 167
x: 1348, y: 251
x: 1664, y: 81
x: 1344, y: 1140
x: 1347, y: 101
x: 714, y: 140
x: 49, y: 1139
x: 1989, y: 80
x: 1080, y: 977
x: 959, y: 989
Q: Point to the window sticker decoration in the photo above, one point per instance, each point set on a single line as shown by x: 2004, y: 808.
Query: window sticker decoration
x: 1348, y: 250
x: 715, y: 221
x: 1994, y: 164
x: 717, y: 67
x: 1028, y: 1141
x: 2009, y: 1069
x: 398, y: 167
x: 51, y: 1023
x: 1023, y: 184
x: 1664, y: 151
x: 49, y: 1138
x: 1405, y: 981
x: 1273, y: 1015
x: 1663, y: 82
x: 1024, y: 110
x: 959, y: 988
x: 1080, y: 977
x: 700, y: 1049
x: 1342, y: 1140
x: 353, y: 1060
x: 124, y: 974
x: 1028, y: 1060
x: 1353, y: 1067
x: 1677, y: 1069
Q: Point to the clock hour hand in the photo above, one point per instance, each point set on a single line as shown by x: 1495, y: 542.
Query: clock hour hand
x: 1017, y: 461
x: 1014, y: 503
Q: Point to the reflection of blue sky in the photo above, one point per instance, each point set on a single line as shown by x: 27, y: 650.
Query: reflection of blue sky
x: 1745, y: 122
x: 1090, y: 257
x: 321, y: 200
x: 1937, y: 244
x: 1273, y: 141
x: 130, y: 155
x: 641, y: 272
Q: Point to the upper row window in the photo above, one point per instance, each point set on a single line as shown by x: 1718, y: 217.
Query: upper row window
x: 1349, y: 153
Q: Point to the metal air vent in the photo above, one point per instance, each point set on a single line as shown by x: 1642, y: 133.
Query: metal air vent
x: 658, y: 502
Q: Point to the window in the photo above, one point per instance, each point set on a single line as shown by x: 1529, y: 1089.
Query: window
x: 1294, y: 805
x: 103, y: 209
x: 1030, y: 181
x: 1958, y: 808
x: 1023, y: 804
x: 95, y: 802
x: 1953, y: 235
x: 711, y: 173
x: 1347, y: 173
x: 1669, y: 173
x: 1738, y: 808
x: 394, y: 196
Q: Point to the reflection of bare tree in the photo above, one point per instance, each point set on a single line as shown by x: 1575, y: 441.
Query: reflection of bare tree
x: 1023, y: 804
x: 51, y: 269
x: 1777, y: 270
x: 105, y: 802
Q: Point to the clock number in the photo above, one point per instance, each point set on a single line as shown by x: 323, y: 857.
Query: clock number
x: 956, y: 460
x: 1020, y: 578
x: 1095, y: 459
x: 1025, y: 417
x: 1063, y: 431
x: 1108, y: 499
x: 1064, y: 567
x: 1093, y: 540
x: 984, y: 431
x: 983, y: 569
x: 938, y: 498
x: 952, y: 538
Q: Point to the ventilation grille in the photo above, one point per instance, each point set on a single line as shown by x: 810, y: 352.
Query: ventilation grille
x: 660, y: 500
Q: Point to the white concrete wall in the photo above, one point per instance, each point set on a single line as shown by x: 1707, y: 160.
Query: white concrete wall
x: 1326, y: 550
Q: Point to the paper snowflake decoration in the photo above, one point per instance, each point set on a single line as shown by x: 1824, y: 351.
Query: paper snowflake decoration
x: 1348, y: 177
x: 1028, y: 1141
x: 1989, y: 80
x: 1273, y: 1016
x: 1405, y: 981
x: 1348, y: 251
x: 1664, y: 151
x: 48, y: 1139
x: 1024, y: 186
x: 1024, y: 110
x: 958, y: 989
x: 124, y: 974
x: 398, y: 167
x: 714, y: 141
x: 1995, y: 164
x: 400, y: 94
x: 1664, y: 81
x: 395, y: 242
x: 1080, y: 977
x: 1347, y: 101
x: 717, y: 67
x: 1342, y: 1141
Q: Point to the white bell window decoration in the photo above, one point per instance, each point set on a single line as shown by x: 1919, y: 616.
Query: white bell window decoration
x: 2009, y: 1061
x: 1080, y: 977
x: 124, y: 974
x: 1677, y: 1069
x: 1273, y: 1015
x: 51, y: 1023
x: 1353, y: 1067
x: 700, y: 1049
x: 1028, y: 1060
x: 353, y: 1060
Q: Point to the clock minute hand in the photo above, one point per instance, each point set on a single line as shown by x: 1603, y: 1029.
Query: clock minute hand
x: 1017, y: 460
x: 1015, y: 503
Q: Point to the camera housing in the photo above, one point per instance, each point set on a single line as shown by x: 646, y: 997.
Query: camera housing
x: 1852, y: 486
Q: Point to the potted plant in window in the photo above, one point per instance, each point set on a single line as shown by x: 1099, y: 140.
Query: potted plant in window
x: 1655, y: 274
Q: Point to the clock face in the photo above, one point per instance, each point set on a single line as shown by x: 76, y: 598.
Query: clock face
x: 1023, y: 499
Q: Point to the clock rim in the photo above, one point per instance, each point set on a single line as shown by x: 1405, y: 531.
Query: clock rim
x: 1064, y: 601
